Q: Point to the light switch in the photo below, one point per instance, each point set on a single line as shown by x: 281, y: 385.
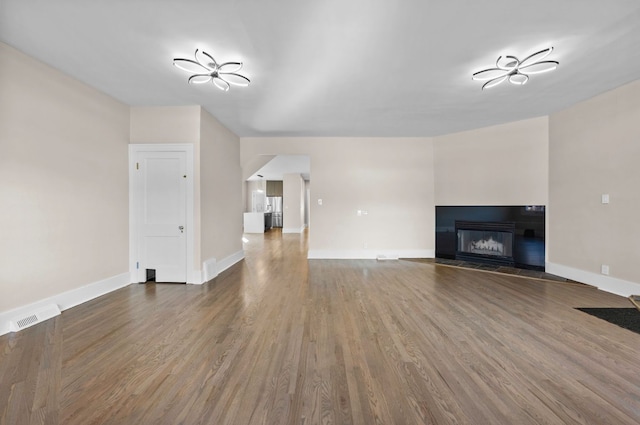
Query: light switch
x: 319, y: 201
x: 605, y: 198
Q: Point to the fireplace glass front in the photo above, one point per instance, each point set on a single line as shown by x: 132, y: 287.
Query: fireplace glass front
x: 485, y: 243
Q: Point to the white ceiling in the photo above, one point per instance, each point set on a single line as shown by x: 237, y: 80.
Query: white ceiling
x: 336, y: 67
x: 284, y: 164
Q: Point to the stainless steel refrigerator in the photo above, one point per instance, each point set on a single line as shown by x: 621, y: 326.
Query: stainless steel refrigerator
x: 274, y: 205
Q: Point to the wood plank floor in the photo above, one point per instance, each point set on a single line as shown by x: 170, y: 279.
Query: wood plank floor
x: 278, y: 339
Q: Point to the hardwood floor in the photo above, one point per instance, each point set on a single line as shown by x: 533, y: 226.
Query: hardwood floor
x: 278, y: 339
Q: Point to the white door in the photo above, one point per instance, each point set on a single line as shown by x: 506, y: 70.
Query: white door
x: 161, y: 180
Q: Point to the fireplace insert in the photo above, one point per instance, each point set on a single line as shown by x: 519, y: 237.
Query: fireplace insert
x: 486, y: 242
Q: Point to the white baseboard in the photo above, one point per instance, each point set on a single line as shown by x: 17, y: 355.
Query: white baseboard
x: 229, y: 261
x: 212, y: 268
x: 369, y: 254
x: 602, y: 282
x: 209, y: 269
x: 293, y: 230
x: 196, y: 278
x: 67, y: 299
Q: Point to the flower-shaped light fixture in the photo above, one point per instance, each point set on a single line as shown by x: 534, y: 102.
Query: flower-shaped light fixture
x: 205, y: 68
x: 516, y: 71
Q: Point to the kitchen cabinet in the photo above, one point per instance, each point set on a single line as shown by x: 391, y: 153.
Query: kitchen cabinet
x: 254, y: 222
x: 274, y: 188
x: 257, y: 222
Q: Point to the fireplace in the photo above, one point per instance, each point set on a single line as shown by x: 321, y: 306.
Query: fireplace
x: 487, y: 242
x: 528, y: 238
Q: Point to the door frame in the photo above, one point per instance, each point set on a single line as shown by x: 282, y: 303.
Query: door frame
x: 134, y: 204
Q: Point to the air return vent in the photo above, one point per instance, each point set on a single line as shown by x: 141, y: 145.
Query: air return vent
x: 32, y: 318
x: 381, y: 257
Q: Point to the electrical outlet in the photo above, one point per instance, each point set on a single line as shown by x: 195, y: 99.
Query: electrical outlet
x: 604, y: 269
x: 605, y: 198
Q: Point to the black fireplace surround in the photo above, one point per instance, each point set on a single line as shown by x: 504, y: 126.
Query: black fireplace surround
x: 499, y: 235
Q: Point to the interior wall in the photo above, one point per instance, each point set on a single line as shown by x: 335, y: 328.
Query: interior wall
x: 389, y: 178
x: 594, y: 150
x: 63, y: 182
x: 221, y: 190
x: 292, y: 203
x: 165, y: 124
x: 173, y: 124
x: 499, y: 165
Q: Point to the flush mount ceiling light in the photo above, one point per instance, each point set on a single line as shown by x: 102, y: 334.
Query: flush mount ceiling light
x: 516, y: 71
x: 205, y: 68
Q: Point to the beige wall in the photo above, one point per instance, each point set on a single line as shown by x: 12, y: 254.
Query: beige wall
x: 594, y: 150
x: 390, y: 178
x: 398, y: 181
x: 170, y: 124
x: 500, y: 165
x: 221, y: 190
x: 292, y: 203
x: 63, y: 182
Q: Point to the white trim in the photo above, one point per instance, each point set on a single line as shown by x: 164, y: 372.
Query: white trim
x: 602, y: 282
x: 134, y: 148
x: 93, y: 290
x: 34, y: 317
x: 196, y: 277
x: 68, y: 299
x: 209, y: 269
x: 369, y: 254
x: 229, y: 261
x: 293, y: 230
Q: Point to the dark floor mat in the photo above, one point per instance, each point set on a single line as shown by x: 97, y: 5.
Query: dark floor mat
x: 628, y: 318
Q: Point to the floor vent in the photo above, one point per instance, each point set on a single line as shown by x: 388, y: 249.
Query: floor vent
x: 42, y: 314
x: 387, y: 257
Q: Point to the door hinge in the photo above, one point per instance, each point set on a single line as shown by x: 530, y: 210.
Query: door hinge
x: 137, y: 265
x: 137, y: 165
